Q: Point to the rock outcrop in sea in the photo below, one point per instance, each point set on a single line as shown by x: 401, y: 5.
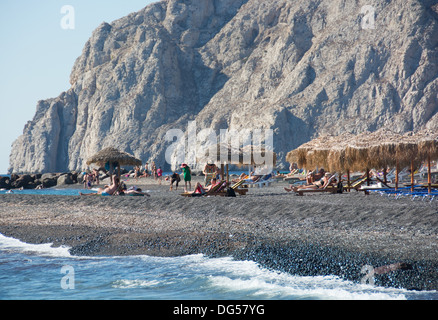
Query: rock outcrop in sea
x: 300, y: 68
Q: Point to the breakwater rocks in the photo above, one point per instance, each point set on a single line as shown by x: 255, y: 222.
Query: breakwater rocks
x: 43, y: 181
x: 33, y: 181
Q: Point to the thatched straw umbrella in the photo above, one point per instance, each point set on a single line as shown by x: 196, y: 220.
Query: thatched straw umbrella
x: 220, y: 154
x: 311, y: 154
x: 427, y: 148
x: 326, y: 151
x: 224, y: 154
x: 113, y: 157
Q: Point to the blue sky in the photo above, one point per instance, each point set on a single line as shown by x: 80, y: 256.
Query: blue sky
x: 37, y: 54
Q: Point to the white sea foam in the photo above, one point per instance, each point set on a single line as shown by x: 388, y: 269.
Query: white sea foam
x: 130, y: 284
x: 248, y: 276
x: 11, y: 244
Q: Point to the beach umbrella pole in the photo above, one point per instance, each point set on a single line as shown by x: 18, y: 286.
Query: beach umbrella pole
x: 412, y: 175
x: 429, y: 176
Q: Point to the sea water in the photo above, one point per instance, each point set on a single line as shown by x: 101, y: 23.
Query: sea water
x: 42, y: 272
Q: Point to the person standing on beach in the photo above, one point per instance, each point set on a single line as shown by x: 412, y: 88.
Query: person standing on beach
x: 187, y: 176
x: 154, y: 171
x: 146, y: 172
x: 159, y: 175
x: 209, y: 172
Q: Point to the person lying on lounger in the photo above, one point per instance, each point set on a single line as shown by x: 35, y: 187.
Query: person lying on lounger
x: 320, y: 184
x: 199, y: 189
x: 133, y: 191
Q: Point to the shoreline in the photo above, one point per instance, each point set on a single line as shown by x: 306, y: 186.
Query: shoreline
x: 317, y: 234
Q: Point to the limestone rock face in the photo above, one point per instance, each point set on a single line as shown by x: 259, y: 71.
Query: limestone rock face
x: 300, y: 68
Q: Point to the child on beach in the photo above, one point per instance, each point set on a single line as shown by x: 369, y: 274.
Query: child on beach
x: 159, y: 175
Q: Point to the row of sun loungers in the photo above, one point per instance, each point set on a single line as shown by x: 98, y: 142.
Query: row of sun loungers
x: 419, y: 193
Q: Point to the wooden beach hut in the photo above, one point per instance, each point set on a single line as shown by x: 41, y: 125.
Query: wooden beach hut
x: 113, y: 158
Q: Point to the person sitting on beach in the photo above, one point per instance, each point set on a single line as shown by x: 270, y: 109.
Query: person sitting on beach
x: 137, y: 173
x: 106, y: 191
x: 199, y: 189
x: 320, y: 184
x: 96, y: 176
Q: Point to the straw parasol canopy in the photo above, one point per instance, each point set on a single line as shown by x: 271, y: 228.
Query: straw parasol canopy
x: 380, y: 149
x: 326, y: 151
x: 223, y: 153
x: 114, y: 158
x: 427, y: 142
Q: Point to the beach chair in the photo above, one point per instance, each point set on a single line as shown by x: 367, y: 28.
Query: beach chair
x: 356, y: 184
x: 237, y: 188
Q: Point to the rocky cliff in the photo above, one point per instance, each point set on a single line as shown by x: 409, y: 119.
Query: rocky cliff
x: 300, y: 68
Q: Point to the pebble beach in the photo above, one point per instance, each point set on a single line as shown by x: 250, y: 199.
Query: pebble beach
x: 310, y: 235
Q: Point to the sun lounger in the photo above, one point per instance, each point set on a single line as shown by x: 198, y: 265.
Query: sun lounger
x: 356, y: 184
x: 329, y: 190
x: 419, y: 193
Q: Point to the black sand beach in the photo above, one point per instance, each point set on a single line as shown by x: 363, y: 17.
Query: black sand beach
x: 316, y: 234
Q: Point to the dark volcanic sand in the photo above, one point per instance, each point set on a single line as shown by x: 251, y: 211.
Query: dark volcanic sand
x: 318, y: 234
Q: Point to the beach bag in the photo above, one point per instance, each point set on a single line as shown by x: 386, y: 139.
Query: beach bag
x: 340, y: 188
x: 230, y: 192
